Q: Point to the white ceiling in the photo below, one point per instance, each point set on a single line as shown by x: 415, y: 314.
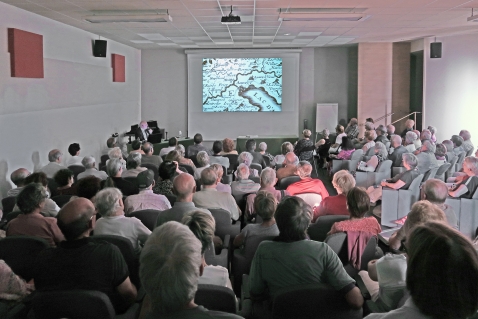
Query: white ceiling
x: 196, y: 23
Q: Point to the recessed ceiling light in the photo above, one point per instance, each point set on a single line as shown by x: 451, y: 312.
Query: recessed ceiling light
x: 286, y: 33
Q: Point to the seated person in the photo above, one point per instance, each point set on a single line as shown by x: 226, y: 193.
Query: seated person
x: 342, y: 181
x: 263, y: 151
x: 203, y: 162
x: 369, y: 129
x: 410, y: 138
x: 133, y: 165
x: 457, y: 142
x: 216, y: 158
x: 193, y: 150
x: 115, y: 152
x: 352, y: 129
x: 289, y: 166
x: 246, y: 158
x: 426, y: 157
x: 226, y: 188
x: 149, y: 157
x: 467, y: 144
x: 54, y: 156
x: 385, y: 278
x: 431, y: 296
x: 285, y: 148
x: 390, y: 131
x: 74, y: 150
x: 64, y: 178
x: 90, y: 169
x: 358, y: 204
x: 181, y: 159
x: 114, y: 168
x: 228, y: 147
x: 256, y: 156
x: 203, y: 226
x: 440, y: 154
x: 142, y: 132
x: 399, y: 181
x: 323, y: 146
x: 146, y: 199
x: 417, y: 142
x: 30, y: 222
x: 265, y: 205
x: 304, y: 148
x: 172, y: 143
x: 346, y: 150
x: 466, y: 187
x: 18, y: 178
x: 109, y: 204
x: 433, y: 131
x: 369, y: 138
x: 170, y: 275
x: 380, y: 155
x: 339, y: 131
x: 307, y: 184
x: 79, y: 263
x: 449, y: 150
x: 313, y: 262
x: 243, y: 185
x: 381, y: 132
x: 396, y: 150
x: 167, y: 172
x: 12, y: 289
x: 88, y: 187
x: 136, y: 147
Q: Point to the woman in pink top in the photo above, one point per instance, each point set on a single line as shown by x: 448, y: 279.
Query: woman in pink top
x: 358, y: 203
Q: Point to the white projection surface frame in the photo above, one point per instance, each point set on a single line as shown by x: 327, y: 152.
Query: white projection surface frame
x: 218, y: 125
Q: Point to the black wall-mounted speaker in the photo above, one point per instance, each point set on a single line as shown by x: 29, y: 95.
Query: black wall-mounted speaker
x: 435, y: 50
x: 99, y: 49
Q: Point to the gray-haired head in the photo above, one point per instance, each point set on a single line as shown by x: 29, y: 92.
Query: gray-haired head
x: 133, y: 160
x: 381, y: 149
x: 457, y: 140
x: 113, y: 167
x: 428, y: 146
x: 286, y: 147
x: 202, y: 158
x: 31, y: 197
x: 180, y: 149
x: 426, y: 134
x: 170, y: 267
x: 115, y: 152
x: 107, y: 201
x: 435, y: 191
x: 218, y: 169
x: 369, y: 126
x: 465, y: 134
x: 147, y: 147
x: 262, y: 146
x: 246, y: 158
x: 432, y: 129
x: 268, y: 177
x: 396, y: 140
x: 410, y: 137
x: 390, y: 129
x: 208, y: 176
x: 18, y: 176
x: 54, y: 155
x: 304, y: 169
x: 88, y: 162
x: 472, y: 163
x: 243, y: 172
x: 291, y: 159
x: 410, y: 159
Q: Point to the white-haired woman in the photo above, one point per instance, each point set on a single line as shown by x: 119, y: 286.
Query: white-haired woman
x: 380, y: 155
x: 262, y: 150
x: 181, y: 159
x: 304, y: 148
x: 410, y: 137
x: 246, y: 158
x: 286, y: 147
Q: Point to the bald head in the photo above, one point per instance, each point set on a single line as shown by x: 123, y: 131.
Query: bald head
x: 75, y: 218
x: 291, y: 159
x: 435, y: 191
x: 184, y: 186
x: 304, y: 169
x: 18, y: 176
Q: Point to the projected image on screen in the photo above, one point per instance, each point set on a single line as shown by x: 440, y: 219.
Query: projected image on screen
x: 242, y: 84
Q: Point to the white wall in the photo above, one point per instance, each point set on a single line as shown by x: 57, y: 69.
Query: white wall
x: 451, y: 87
x: 76, y: 101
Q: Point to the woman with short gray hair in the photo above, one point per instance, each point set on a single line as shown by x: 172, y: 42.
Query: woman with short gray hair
x: 181, y: 159
x: 285, y: 148
x: 304, y: 149
x: 203, y: 162
x: 109, y: 204
x: 380, y: 155
x: 246, y: 158
x: 262, y: 150
x: 410, y: 137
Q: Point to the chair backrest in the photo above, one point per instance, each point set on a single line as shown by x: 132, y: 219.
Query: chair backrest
x: 251, y: 244
x: 357, y: 154
x: 152, y: 167
x: 369, y: 252
x: 311, y: 198
x: 370, y: 152
x: 52, y: 186
x: 267, y: 160
x: 415, y: 184
x: 318, y: 230
x: 147, y: 216
x: 286, y: 181
x: 171, y: 198
x: 217, y: 298
x: 126, y: 248
x: 461, y: 157
x: 132, y: 179
x: 387, y: 145
x: 453, y: 161
x: 76, y: 169
x: 385, y: 166
x: 188, y: 168
x: 232, y: 159
x: 223, y: 222
x: 61, y: 200
x: 20, y: 252
x: 442, y: 169
x: 312, y: 301
x: 104, y: 158
x: 256, y: 166
x: 195, y: 160
x: 430, y: 174
x: 74, y: 304
x: 338, y: 243
x: 470, y: 152
x: 8, y: 203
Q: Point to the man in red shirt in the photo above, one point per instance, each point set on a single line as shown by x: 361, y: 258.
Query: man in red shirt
x: 307, y: 184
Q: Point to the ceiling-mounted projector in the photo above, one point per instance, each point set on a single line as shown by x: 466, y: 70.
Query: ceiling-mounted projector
x: 230, y: 19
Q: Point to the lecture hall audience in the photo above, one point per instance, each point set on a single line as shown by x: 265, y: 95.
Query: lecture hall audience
x: 54, y: 156
x: 90, y: 170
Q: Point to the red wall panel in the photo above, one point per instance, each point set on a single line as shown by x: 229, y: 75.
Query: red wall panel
x: 26, y: 54
x: 118, y: 65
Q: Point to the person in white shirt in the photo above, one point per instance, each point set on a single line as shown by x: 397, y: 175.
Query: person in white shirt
x: 54, y: 156
x: 74, y: 150
x: 18, y: 178
x: 90, y: 169
x: 173, y: 142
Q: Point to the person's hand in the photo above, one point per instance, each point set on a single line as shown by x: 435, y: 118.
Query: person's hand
x: 177, y: 168
x: 383, y: 183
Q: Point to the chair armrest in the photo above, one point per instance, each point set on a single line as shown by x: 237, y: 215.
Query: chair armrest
x: 362, y: 287
x: 245, y: 287
x: 226, y: 241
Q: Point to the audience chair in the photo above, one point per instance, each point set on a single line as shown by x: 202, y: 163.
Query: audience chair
x: 76, y: 169
x: 232, y: 162
x: 152, y: 167
x: 61, y: 200
x: 242, y: 259
x: 12, y: 215
x: 8, y: 203
x: 370, y: 152
x: 216, y: 298
x: 20, y: 252
x: 367, y: 179
x: 440, y: 174
x: 286, y: 181
x: 397, y: 170
x: 224, y: 227
x: 459, y: 162
x: 370, y: 252
x: 318, y: 230
x: 226, y: 178
x: 338, y: 243
x: 451, y: 170
x: 171, y: 198
x: 256, y: 166
x: 195, y: 160
x: 188, y: 169
x: 147, y: 216
x: 470, y: 152
x: 126, y: 248
x: 397, y: 203
x: 221, y: 259
x: 267, y: 161
x: 429, y: 174
x: 387, y: 145
x: 77, y: 304
x: 104, y: 158
x: 312, y: 301
x: 312, y: 199
x: 132, y: 180
x: 349, y: 165
x: 467, y: 217
x: 52, y: 186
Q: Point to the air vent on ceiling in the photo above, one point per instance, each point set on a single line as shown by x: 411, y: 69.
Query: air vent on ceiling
x: 321, y: 14
x: 142, y: 16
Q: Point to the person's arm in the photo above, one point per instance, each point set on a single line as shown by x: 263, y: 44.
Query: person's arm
x: 397, y: 185
x: 462, y: 189
x: 142, y: 232
x: 354, y: 298
x: 395, y: 241
x: 239, y: 239
x: 57, y: 235
x: 127, y: 290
